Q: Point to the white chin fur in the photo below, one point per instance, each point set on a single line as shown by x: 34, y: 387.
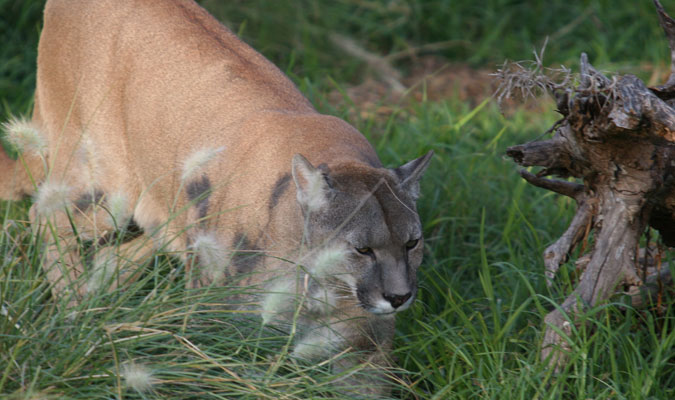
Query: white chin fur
x: 383, y: 307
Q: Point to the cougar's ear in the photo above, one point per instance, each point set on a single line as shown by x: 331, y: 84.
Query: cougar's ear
x: 312, y: 185
x: 410, y: 173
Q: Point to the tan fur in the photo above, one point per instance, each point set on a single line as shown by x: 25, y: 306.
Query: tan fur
x: 127, y: 91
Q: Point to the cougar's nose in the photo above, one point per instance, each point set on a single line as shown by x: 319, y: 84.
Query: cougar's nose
x: 397, y: 300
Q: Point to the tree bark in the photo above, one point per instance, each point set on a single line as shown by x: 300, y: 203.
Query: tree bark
x: 617, y: 137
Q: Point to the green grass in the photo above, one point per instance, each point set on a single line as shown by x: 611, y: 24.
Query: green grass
x: 295, y: 34
x: 480, y: 33
x: 475, y: 329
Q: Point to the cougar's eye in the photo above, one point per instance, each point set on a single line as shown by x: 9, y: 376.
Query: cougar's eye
x: 364, y: 250
x: 411, y: 244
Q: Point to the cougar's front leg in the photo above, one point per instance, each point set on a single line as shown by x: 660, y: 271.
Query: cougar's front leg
x: 116, y: 264
x: 367, y: 372
x: 365, y: 375
x: 78, y: 227
x: 62, y: 261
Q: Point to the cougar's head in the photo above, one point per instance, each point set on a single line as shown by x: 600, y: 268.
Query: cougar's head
x: 368, y: 216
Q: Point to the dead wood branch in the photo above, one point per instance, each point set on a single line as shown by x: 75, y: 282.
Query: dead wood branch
x: 569, y: 189
x: 379, y: 64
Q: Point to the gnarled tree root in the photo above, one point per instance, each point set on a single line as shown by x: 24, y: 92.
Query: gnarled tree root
x: 617, y: 137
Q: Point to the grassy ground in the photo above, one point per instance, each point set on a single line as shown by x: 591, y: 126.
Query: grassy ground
x: 474, y: 331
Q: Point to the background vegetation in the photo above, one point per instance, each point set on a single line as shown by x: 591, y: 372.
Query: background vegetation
x: 474, y: 331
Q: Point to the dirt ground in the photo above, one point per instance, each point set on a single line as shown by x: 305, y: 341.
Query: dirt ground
x: 429, y: 78
x: 434, y: 78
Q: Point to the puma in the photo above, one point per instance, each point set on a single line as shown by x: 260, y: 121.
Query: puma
x: 151, y: 114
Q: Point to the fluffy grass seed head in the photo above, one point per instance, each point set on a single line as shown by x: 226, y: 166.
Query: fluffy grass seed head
x: 52, y: 197
x: 278, y: 299
x: 197, y: 160
x: 137, y: 377
x: 332, y: 262
x: 25, y: 136
x: 212, y: 255
x: 328, y: 261
x: 118, y: 209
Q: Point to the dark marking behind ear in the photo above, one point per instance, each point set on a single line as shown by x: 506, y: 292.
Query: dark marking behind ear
x: 246, y: 255
x: 198, y: 191
x: 324, y: 168
x: 130, y: 232
x: 87, y: 199
x: 280, y: 188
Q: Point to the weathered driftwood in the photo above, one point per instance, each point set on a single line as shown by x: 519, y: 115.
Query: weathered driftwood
x: 618, y: 138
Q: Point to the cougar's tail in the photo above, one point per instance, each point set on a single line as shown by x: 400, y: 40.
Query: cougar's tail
x: 18, y: 178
